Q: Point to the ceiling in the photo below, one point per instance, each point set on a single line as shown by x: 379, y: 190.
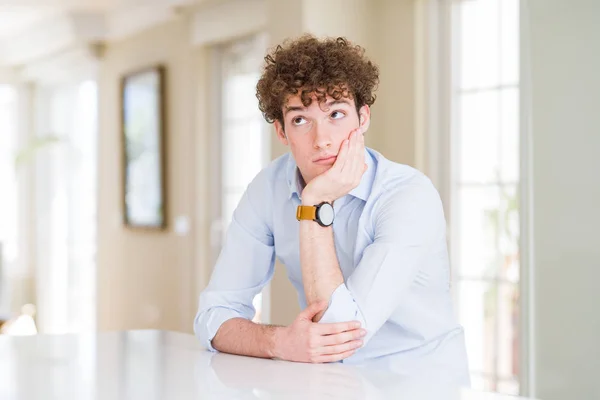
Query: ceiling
x: 27, y: 27
x: 16, y: 19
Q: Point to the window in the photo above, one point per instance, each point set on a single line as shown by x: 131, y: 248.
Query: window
x: 65, y: 202
x: 245, y: 137
x: 8, y: 194
x: 484, y: 186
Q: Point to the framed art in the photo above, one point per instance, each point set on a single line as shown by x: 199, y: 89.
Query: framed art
x: 143, y: 134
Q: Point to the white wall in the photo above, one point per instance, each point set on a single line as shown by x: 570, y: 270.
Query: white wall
x: 147, y: 279
x: 564, y: 51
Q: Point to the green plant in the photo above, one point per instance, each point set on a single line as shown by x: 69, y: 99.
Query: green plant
x: 28, y: 152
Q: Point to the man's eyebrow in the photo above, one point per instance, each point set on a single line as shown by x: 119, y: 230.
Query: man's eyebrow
x: 329, y: 104
x: 336, y: 102
x: 294, y: 108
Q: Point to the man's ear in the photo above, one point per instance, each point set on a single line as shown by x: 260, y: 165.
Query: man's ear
x: 280, y: 132
x: 364, y: 117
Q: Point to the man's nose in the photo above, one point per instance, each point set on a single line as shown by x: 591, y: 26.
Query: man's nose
x: 322, y: 136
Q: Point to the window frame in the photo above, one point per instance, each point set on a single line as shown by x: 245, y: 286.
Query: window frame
x: 436, y: 71
x: 219, y: 190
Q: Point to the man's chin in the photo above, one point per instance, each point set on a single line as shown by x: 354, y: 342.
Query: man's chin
x: 318, y: 170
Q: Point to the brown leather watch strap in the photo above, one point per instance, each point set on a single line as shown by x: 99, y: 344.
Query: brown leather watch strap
x: 306, y: 213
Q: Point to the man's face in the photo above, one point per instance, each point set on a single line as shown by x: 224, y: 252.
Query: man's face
x: 315, y: 133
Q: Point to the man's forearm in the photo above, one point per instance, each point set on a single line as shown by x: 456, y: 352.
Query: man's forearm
x: 243, y: 337
x: 321, y: 273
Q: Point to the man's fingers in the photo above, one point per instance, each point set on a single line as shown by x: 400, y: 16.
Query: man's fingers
x: 334, y: 357
x: 355, y: 156
x: 353, y: 141
x: 342, y: 337
x: 313, y: 310
x: 342, y: 155
x: 336, y: 327
x: 347, y: 151
x: 346, y: 160
x: 341, y: 348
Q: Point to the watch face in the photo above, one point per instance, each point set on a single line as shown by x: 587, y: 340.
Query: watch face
x: 325, y: 214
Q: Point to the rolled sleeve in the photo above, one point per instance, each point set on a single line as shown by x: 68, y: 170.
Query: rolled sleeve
x: 342, y: 307
x: 245, y: 265
x: 406, y: 222
x: 207, y: 324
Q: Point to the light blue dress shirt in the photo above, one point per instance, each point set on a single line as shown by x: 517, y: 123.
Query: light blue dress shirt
x: 390, y: 241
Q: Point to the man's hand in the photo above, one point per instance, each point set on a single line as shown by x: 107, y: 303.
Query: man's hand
x: 307, y: 341
x: 344, y: 175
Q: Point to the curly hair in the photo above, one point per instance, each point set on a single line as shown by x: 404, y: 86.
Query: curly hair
x: 308, y: 66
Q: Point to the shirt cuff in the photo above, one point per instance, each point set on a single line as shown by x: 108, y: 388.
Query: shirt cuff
x: 342, y: 308
x: 206, y: 328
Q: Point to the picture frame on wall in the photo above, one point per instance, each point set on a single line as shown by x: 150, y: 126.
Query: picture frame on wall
x: 143, y: 137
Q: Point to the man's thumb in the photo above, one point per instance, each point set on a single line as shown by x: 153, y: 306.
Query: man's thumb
x: 314, y: 309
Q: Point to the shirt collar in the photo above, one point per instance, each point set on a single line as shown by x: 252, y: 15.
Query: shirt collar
x: 292, y: 176
x: 362, y: 191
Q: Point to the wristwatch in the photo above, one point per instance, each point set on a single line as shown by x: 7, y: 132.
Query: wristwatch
x: 322, y: 213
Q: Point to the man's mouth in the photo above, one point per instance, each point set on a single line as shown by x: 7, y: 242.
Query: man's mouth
x: 326, y: 160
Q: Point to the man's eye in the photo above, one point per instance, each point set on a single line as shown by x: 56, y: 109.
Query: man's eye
x: 299, y: 121
x: 337, y: 115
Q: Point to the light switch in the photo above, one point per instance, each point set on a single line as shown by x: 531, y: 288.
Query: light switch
x: 182, y: 225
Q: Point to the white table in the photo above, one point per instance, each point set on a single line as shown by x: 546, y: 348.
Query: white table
x: 152, y: 365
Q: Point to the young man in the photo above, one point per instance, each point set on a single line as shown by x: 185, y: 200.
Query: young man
x: 362, y: 238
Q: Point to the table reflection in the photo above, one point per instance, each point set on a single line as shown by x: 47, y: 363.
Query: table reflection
x: 156, y: 365
x: 268, y: 379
